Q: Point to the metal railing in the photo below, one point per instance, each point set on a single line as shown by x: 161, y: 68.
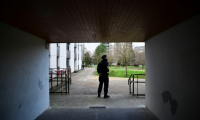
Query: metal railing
x: 59, y: 80
x: 132, y: 82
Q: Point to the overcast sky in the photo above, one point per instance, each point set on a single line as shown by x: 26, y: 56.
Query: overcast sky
x: 91, y: 46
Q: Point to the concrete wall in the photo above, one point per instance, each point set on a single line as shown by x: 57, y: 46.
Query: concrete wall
x: 71, y: 61
x: 80, y: 56
x: 76, y: 61
x: 172, y: 72
x: 62, y: 59
x: 53, y: 55
x: 63, y: 51
x: 24, y: 64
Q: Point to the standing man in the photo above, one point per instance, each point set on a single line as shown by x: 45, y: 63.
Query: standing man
x: 102, y: 69
x: 83, y: 67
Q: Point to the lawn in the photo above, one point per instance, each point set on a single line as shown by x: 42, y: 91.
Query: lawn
x: 128, y: 67
x: 121, y: 72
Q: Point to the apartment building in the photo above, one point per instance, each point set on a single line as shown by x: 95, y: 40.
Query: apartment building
x: 139, y: 49
x: 64, y: 55
x: 118, y: 46
x: 107, y: 46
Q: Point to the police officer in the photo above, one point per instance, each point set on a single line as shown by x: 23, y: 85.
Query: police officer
x: 102, y: 69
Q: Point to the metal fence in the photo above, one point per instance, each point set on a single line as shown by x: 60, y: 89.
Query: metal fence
x: 132, y: 82
x: 59, y: 80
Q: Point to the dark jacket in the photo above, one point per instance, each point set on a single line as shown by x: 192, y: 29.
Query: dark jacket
x: 103, y: 67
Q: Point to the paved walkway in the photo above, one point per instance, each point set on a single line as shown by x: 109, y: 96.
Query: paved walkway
x: 85, y: 83
x: 83, y: 95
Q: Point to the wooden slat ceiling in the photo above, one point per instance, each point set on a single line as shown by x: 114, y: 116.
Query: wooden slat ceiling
x: 96, y: 20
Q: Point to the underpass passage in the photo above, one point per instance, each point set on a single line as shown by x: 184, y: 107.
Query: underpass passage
x: 97, y: 114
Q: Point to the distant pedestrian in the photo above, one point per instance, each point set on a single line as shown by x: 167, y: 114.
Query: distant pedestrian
x: 103, y: 70
x: 83, y: 67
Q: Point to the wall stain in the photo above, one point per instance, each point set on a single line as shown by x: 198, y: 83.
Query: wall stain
x: 19, y: 106
x: 166, y: 95
x: 40, y: 84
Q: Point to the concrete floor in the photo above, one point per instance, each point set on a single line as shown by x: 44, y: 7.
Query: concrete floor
x: 83, y: 95
x: 97, y: 114
x: 86, y: 101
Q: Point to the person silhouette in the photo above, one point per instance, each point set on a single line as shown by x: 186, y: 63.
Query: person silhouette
x: 102, y: 70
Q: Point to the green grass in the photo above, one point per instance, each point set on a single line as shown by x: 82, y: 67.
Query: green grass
x: 129, y: 68
x: 89, y: 66
x: 118, y: 72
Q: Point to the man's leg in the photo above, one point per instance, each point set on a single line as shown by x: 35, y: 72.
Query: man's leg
x: 106, y: 83
x: 100, y: 88
x: 105, y: 87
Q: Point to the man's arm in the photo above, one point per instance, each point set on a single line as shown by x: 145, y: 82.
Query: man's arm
x: 99, y: 70
x: 107, y: 67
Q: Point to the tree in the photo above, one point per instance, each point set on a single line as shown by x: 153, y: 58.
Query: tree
x: 140, y: 59
x: 131, y: 55
x: 97, y: 53
x: 88, y: 58
x: 83, y: 53
x: 110, y: 58
x: 127, y: 56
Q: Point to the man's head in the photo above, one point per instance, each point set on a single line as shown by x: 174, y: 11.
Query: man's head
x: 104, y: 57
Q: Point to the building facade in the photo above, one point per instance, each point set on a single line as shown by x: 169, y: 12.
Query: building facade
x: 65, y: 55
x: 118, y: 46
x: 107, y: 46
x: 139, y: 49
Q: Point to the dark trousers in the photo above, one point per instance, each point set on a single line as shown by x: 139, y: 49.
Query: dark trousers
x: 103, y: 80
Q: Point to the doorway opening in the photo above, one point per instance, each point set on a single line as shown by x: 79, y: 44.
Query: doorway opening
x: 84, y: 82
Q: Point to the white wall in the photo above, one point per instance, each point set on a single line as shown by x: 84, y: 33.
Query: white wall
x: 172, y: 72
x: 71, y: 61
x: 24, y: 84
x: 62, y: 55
x: 62, y: 59
x: 53, y: 55
x: 80, y: 56
x: 76, y: 61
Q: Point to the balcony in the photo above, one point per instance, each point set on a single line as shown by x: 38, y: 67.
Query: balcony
x: 68, y: 54
x: 58, y: 51
x: 75, y: 56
